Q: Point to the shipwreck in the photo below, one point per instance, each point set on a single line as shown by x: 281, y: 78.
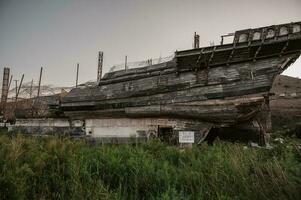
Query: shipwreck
x: 183, y: 99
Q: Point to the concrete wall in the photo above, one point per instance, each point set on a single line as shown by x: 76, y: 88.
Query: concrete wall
x: 124, y: 127
x: 47, y: 126
x: 120, y: 129
x: 111, y: 130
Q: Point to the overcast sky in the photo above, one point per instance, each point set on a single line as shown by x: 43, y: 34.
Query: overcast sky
x: 56, y: 34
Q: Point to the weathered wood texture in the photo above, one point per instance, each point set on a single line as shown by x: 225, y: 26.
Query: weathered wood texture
x: 248, y: 45
x: 224, y: 81
x: 176, y: 88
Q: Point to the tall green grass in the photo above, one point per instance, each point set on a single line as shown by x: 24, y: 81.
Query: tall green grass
x: 61, y: 168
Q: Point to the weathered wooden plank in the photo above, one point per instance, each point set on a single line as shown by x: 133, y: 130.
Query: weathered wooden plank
x: 194, y: 94
x: 221, y: 111
x: 235, y: 74
x: 184, y: 87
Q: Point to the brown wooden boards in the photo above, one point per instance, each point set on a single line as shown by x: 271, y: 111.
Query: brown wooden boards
x: 229, y: 75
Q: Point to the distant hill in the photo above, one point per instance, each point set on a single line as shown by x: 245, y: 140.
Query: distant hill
x: 286, y: 103
x: 286, y: 85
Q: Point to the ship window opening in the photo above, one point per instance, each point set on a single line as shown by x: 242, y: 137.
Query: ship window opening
x: 283, y: 31
x: 243, y: 38
x: 228, y: 39
x: 270, y: 33
x: 256, y: 36
x: 296, y: 28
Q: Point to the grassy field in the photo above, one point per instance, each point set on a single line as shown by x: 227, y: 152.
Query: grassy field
x: 61, y: 168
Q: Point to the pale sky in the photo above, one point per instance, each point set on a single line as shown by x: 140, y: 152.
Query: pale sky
x: 56, y: 34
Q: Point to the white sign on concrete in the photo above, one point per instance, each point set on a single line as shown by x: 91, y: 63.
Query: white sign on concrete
x: 186, y: 136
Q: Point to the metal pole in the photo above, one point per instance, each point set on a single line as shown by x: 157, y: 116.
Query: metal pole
x: 30, y: 91
x: 11, y: 78
x: 19, y: 87
x: 39, y: 88
x: 77, y: 70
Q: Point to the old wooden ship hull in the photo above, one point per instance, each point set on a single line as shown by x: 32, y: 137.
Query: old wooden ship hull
x: 224, y: 94
x: 217, y: 86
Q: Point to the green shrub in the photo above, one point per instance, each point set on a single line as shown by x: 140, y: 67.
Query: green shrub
x: 61, y: 168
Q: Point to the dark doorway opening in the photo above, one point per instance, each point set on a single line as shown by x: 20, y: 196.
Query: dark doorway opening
x: 233, y: 134
x: 166, y: 134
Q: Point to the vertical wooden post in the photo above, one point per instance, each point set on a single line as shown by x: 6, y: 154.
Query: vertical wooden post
x: 100, y: 64
x: 196, y: 43
x: 5, y: 89
x: 40, y: 79
x: 125, y: 63
x: 16, y: 81
x: 77, y: 70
